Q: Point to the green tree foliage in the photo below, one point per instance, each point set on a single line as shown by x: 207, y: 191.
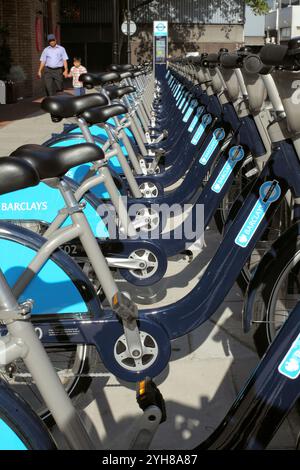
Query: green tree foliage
x: 259, y: 7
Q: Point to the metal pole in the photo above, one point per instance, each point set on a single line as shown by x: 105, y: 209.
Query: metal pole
x: 278, y: 22
x: 115, y: 24
x: 128, y: 33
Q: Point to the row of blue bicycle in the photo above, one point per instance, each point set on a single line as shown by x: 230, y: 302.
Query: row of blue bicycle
x: 217, y: 131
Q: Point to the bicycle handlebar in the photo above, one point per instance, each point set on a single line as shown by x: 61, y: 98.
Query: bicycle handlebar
x: 230, y: 61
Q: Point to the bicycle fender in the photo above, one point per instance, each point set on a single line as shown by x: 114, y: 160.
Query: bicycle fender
x: 59, y: 288
x: 42, y: 203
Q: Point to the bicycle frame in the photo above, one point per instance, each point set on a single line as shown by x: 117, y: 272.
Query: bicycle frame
x: 250, y: 223
x: 194, y: 309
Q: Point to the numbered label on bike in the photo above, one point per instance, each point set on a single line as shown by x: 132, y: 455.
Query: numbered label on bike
x: 206, y: 120
x: 236, y: 154
x: 189, y: 111
x: 217, y: 137
x: 196, y: 118
x: 186, y: 106
x: 269, y: 192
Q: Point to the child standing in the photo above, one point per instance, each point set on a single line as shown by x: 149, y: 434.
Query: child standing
x: 75, y: 73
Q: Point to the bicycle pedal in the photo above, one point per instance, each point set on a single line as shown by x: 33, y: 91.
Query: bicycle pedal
x: 148, y: 395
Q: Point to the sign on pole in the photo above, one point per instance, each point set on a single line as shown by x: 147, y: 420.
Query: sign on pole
x: 2, y: 92
x: 160, y: 35
x: 133, y: 28
x: 160, y: 28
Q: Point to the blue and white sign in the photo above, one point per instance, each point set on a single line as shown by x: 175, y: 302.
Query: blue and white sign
x: 160, y: 28
x: 269, y: 192
x: 290, y: 366
x: 194, y: 122
x: 188, y: 113
x: 183, y: 101
x: 206, y: 120
x: 179, y: 96
x: 236, y: 154
x: 218, y: 136
x: 186, y: 105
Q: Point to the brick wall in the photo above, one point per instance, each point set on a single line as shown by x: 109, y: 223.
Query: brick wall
x: 20, y: 16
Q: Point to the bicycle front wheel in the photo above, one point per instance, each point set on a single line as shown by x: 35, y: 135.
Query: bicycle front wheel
x: 20, y: 428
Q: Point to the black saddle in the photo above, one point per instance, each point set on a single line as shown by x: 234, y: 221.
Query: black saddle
x: 115, y: 92
x: 98, y: 115
x: 57, y: 161
x: 124, y: 75
x: 90, y: 80
x: 66, y: 106
x: 138, y: 74
x: 16, y: 174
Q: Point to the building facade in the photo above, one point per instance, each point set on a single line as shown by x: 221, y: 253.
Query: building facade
x: 85, y: 29
x: 254, y: 31
x: 24, y: 25
x: 194, y: 25
x: 283, y: 21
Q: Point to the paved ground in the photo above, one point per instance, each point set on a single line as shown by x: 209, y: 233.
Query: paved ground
x: 208, y: 367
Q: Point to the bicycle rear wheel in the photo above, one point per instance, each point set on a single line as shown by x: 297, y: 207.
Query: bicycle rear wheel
x: 72, y: 363
x: 277, y: 295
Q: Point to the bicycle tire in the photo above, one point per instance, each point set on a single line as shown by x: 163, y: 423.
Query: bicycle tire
x: 267, y: 295
x: 20, y: 427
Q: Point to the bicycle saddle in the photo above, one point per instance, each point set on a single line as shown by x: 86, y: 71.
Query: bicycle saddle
x: 122, y: 68
x: 138, y: 74
x: 57, y: 161
x: 66, y: 106
x: 98, y: 115
x: 91, y: 80
x: 115, y: 92
x: 16, y: 174
x: 124, y: 75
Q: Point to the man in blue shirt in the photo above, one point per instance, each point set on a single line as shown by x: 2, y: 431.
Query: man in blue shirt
x: 54, y: 63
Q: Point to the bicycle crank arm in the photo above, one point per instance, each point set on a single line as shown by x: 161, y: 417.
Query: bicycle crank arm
x: 126, y: 263
x: 152, y: 403
x: 127, y: 311
x: 143, y: 222
x: 146, y: 428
